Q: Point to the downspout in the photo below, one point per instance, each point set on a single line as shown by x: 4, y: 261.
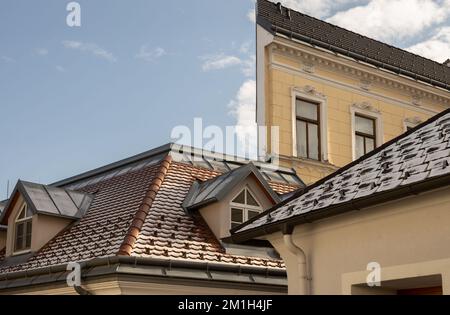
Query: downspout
x: 301, y: 263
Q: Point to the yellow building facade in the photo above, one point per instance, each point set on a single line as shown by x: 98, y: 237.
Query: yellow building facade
x: 344, y: 89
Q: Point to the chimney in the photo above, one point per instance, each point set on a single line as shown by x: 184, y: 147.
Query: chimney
x: 447, y: 63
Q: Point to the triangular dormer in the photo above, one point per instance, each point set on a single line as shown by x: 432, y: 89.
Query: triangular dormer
x: 231, y: 199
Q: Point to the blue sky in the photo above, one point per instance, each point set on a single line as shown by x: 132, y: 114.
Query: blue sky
x: 72, y: 99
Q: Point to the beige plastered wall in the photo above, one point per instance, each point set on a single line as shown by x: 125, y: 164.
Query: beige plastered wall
x: 408, y: 238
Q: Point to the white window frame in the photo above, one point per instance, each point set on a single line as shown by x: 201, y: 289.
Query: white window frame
x: 309, y: 94
x: 372, y: 114
x: 19, y: 221
x: 244, y: 207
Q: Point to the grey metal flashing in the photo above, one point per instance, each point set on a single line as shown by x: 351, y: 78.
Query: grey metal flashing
x: 162, y: 268
x: 219, y: 187
x: 23, y: 187
x: 168, y: 149
x: 145, y: 155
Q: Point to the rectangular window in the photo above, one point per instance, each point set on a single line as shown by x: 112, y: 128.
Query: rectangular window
x: 308, y: 129
x: 365, y: 135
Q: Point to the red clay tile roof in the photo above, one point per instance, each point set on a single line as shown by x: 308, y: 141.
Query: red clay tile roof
x: 139, y: 213
x: 169, y: 232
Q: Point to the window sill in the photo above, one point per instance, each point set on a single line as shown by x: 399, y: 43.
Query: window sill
x: 23, y: 252
x: 326, y: 164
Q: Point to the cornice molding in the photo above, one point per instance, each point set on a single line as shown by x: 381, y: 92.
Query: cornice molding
x: 366, y: 79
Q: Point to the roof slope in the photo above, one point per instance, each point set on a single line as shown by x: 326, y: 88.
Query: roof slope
x: 322, y: 34
x: 118, y: 217
x: 169, y: 232
x: 420, y: 158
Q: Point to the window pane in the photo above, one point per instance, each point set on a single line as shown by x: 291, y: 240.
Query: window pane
x: 370, y: 145
x: 19, y: 243
x: 237, y: 215
x: 22, y: 214
x: 307, y: 110
x: 252, y: 214
x: 28, y: 235
x: 233, y: 225
x: 29, y: 213
x: 251, y: 201
x: 241, y: 198
x: 313, y: 137
x: 301, y: 139
x: 365, y: 125
x: 359, y: 147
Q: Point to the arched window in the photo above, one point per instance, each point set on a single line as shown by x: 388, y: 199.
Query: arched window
x: 23, y: 226
x: 244, y: 207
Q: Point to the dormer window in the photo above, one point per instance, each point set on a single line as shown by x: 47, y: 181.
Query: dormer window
x: 244, y: 207
x: 23, y: 228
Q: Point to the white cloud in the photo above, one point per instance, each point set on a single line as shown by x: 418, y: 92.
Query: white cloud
x: 251, y: 15
x: 219, y: 62
x: 243, y: 109
x: 249, y: 66
x: 150, y: 54
x: 436, y: 48
x: 222, y: 61
x: 245, y: 47
x: 393, y: 20
x: 7, y: 59
x: 91, y: 48
x: 41, y: 52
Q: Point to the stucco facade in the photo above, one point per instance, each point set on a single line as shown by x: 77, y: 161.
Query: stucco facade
x: 342, y: 87
x: 408, y: 238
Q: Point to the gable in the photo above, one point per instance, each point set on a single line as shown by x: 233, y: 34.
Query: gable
x: 48, y: 200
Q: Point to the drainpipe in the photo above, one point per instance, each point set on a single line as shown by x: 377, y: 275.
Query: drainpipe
x: 301, y: 263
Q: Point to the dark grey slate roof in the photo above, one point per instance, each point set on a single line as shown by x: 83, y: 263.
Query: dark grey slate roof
x: 415, y: 162
x: 213, y: 190
x: 275, y: 19
x: 50, y: 200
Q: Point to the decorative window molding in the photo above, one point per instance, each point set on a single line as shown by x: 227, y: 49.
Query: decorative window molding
x: 310, y: 94
x: 411, y: 122
x: 243, y: 207
x: 366, y: 109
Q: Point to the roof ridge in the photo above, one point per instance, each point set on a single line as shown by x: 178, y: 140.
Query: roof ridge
x: 341, y: 170
x: 361, y: 35
x: 136, y: 225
